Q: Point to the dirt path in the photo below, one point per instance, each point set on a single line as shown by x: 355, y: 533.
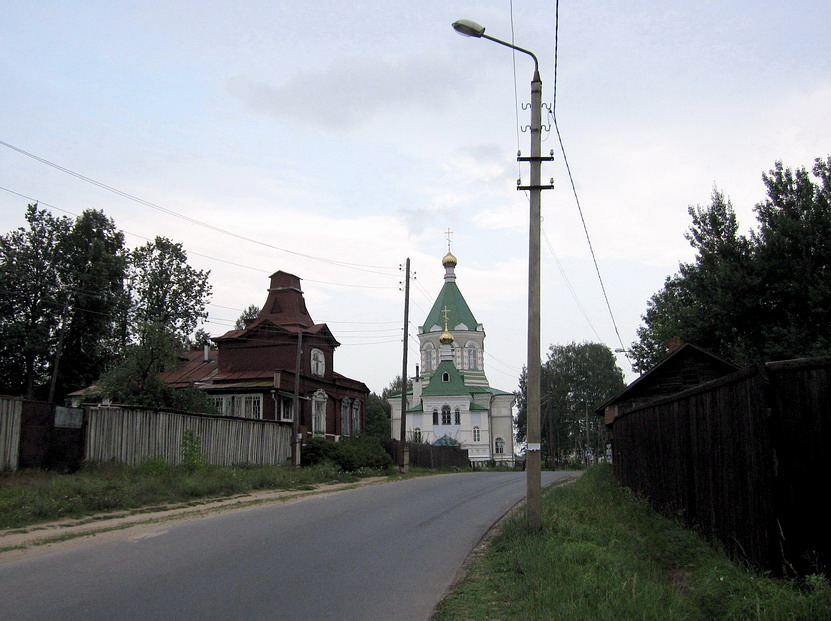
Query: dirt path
x: 39, y: 539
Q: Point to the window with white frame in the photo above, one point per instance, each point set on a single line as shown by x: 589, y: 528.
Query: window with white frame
x: 318, y: 362
x: 417, y: 434
x: 499, y: 446
x: 319, y: 412
x: 477, y: 435
x: 457, y: 418
x: 445, y: 415
x: 344, y: 417
x: 435, y: 416
x: 286, y: 408
x: 243, y: 406
x: 356, y: 417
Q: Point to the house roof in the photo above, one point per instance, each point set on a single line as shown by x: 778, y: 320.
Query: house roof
x: 640, y: 388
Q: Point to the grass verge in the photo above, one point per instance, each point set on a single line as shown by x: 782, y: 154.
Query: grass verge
x: 30, y: 497
x: 604, y: 554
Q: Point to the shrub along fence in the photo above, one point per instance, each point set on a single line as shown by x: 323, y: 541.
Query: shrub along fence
x: 427, y: 455
x: 743, y: 459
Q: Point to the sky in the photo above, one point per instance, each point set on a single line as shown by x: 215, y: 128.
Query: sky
x: 335, y: 140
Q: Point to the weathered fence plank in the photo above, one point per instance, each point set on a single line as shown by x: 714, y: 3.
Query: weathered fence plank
x: 129, y: 436
x: 10, y: 409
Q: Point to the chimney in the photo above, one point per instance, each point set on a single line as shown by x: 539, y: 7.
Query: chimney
x: 674, y: 344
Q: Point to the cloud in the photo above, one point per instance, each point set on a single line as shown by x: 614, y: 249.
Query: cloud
x: 349, y: 94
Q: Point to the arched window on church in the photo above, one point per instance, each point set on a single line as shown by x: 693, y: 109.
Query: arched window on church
x: 417, y: 434
x: 470, y: 355
x: 427, y: 357
x: 476, y: 434
x: 499, y: 446
x: 458, y: 417
x: 435, y: 416
x: 445, y: 415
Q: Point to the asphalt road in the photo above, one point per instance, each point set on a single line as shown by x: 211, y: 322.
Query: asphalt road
x: 383, y: 552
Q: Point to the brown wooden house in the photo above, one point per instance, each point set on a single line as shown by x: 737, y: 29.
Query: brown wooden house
x: 253, y: 373
x: 685, y: 366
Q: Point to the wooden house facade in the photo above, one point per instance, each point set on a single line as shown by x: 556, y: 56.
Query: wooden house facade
x: 257, y: 371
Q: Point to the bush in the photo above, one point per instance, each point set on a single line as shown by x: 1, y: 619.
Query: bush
x: 349, y: 455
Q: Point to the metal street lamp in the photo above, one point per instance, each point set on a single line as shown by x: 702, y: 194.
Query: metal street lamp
x: 532, y: 456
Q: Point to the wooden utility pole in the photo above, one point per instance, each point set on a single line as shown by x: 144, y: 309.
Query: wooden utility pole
x: 404, y: 454
x: 295, y: 426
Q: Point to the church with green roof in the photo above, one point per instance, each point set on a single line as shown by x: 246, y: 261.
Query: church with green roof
x: 452, y: 402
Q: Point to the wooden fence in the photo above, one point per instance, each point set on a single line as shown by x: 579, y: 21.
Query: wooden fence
x: 130, y: 435
x: 742, y: 459
x: 9, y: 432
x: 429, y: 456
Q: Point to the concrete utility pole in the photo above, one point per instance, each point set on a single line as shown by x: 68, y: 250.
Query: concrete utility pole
x: 533, y: 446
x: 404, y: 455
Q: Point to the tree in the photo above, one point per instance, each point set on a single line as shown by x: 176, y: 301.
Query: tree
x: 750, y: 299
x: 135, y: 380
x: 31, y: 298
x: 95, y: 264
x: 575, y: 379
x: 377, y: 417
x: 165, y: 290
x: 707, y: 301
x: 247, y: 315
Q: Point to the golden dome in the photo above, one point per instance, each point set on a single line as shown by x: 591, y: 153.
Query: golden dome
x: 449, y: 260
x: 446, y: 338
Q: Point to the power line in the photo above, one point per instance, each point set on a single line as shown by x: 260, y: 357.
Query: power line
x: 146, y: 203
x: 553, y: 115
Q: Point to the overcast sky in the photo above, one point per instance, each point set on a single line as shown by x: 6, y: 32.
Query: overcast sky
x: 306, y: 135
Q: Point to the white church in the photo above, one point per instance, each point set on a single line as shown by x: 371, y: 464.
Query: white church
x: 451, y: 401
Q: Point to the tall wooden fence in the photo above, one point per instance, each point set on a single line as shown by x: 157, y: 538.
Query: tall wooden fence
x: 130, y: 435
x: 743, y: 459
x: 429, y: 456
x: 9, y: 432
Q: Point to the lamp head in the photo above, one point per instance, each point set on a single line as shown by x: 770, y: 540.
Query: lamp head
x: 468, y: 28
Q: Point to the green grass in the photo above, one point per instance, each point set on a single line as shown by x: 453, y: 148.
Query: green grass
x: 35, y: 496
x: 604, y: 554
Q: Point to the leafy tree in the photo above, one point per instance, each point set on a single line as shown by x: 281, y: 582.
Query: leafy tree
x: 749, y: 299
x: 575, y: 379
x: 707, y: 301
x: 31, y: 298
x: 377, y: 416
x: 247, y: 315
x: 165, y: 290
x: 95, y: 264
x: 135, y: 380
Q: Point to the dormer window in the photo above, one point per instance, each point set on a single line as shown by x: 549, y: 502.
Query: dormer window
x: 318, y: 362
x: 445, y: 377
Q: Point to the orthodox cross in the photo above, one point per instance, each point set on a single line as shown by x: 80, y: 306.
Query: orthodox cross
x: 446, y: 312
x: 448, y: 234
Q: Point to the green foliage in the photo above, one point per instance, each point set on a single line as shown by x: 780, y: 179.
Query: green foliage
x: 575, y: 379
x: 349, y: 455
x: 247, y: 315
x: 377, y: 417
x: 165, y: 290
x: 604, y: 554
x: 765, y: 296
x: 35, y: 496
x: 192, y: 457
